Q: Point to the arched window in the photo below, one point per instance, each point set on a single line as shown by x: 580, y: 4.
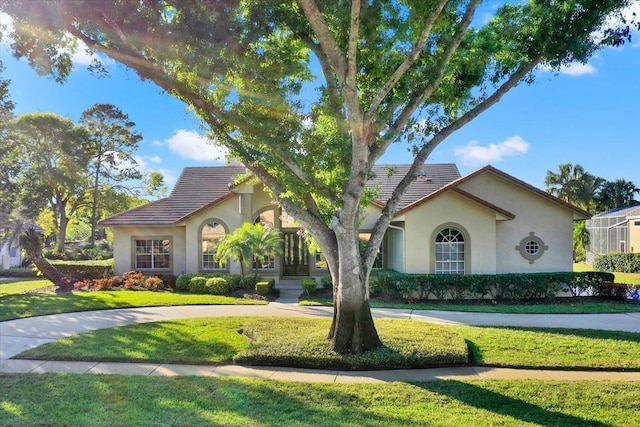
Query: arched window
x: 449, y: 252
x: 212, y: 233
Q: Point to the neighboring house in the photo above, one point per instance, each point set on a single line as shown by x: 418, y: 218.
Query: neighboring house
x: 484, y: 222
x: 10, y: 255
x: 615, y: 230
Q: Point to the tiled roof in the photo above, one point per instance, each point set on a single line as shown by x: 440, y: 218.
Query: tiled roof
x: 198, y: 187
x: 435, y: 176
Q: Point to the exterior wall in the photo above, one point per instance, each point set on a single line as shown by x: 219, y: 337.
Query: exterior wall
x: 123, y: 247
x: 549, y: 221
x: 424, y: 222
x: 395, y: 249
x: 634, y: 234
x: 8, y: 261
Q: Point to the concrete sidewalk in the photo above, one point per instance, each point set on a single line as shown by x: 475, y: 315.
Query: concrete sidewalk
x: 19, y: 335
x: 309, y: 375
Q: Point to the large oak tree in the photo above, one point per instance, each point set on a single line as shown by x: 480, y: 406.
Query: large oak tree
x: 309, y: 94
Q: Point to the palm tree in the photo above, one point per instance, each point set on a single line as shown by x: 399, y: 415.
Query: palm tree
x: 565, y: 183
x: 31, y: 242
x: 618, y: 194
x: 247, y: 242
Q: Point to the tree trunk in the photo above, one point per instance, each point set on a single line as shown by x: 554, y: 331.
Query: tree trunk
x: 63, y: 283
x: 94, y: 206
x: 352, y: 330
x: 31, y: 241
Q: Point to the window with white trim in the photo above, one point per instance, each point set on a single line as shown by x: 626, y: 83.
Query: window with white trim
x: 212, y: 233
x: 152, y: 254
x: 450, y: 252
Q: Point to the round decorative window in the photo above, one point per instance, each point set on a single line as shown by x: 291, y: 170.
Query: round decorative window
x: 531, y: 247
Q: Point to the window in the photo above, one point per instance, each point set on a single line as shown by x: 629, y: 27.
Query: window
x: 212, y: 233
x: 531, y: 247
x: 636, y: 223
x: 320, y: 261
x: 449, y: 252
x: 152, y: 254
x: 364, y: 240
x: 13, y: 252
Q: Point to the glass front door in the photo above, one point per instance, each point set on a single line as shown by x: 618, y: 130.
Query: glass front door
x: 295, y: 257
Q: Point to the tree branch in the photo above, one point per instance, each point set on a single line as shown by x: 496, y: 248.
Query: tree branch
x: 390, y: 208
x: 417, y: 49
x: 422, y: 97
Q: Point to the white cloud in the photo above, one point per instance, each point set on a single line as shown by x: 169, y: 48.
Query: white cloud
x: 191, y: 145
x: 145, y: 165
x: 574, y: 69
x: 474, y: 154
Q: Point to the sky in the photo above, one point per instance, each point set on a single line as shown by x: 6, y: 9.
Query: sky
x: 587, y: 114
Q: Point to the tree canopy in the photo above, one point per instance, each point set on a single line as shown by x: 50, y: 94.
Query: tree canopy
x: 309, y: 94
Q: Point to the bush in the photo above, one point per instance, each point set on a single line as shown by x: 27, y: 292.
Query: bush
x: 133, y: 279
x: 19, y: 272
x: 234, y: 280
x: 250, y: 280
x: 182, y: 282
x: 197, y: 285
x: 327, y: 283
x: 216, y: 286
x: 309, y: 286
x: 84, y: 271
x: 153, y: 283
x: 168, y: 280
x: 263, y: 288
x: 622, y: 262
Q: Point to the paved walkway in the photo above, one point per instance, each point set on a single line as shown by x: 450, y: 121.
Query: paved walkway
x: 19, y: 335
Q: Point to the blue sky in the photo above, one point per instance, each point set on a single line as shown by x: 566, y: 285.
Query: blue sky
x: 587, y: 115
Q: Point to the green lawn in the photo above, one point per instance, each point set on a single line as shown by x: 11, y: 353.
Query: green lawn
x: 563, y: 308
x: 14, y: 303
x: 628, y: 278
x: 113, y: 400
x: 302, y: 343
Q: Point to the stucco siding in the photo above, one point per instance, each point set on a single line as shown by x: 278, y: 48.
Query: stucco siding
x: 634, y: 235
x: 123, y: 246
x: 450, y: 209
x: 547, y: 220
x: 395, y: 250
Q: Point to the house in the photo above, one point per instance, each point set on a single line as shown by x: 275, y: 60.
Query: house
x: 615, y: 230
x: 10, y: 255
x: 484, y: 222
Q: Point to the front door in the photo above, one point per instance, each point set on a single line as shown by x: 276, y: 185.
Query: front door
x: 295, y: 258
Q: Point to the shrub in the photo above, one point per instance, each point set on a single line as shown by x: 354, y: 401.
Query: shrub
x: 234, y: 280
x: 250, y: 280
x: 263, y: 288
x: 133, y: 279
x: 327, y: 283
x: 84, y: 271
x: 182, y: 282
x: 216, y: 286
x: 102, y: 284
x: 19, y: 272
x: 153, y: 283
x: 168, y: 280
x: 197, y: 285
x: 309, y: 285
x: 622, y: 262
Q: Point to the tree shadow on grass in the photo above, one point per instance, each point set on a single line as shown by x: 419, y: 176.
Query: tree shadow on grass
x: 478, y: 397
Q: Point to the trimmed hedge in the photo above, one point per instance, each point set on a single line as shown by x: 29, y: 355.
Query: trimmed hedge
x: 500, y: 287
x: 197, y: 285
x: 265, y: 286
x: 84, y: 271
x: 309, y: 286
x: 19, y: 272
x: 621, y: 262
x: 216, y: 286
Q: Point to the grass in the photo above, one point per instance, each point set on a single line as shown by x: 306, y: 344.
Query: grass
x: 628, y: 278
x: 15, y: 304
x: 559, y: 308
x: 21, y: 286
x: 301, y: 342
x: 113, y: 400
